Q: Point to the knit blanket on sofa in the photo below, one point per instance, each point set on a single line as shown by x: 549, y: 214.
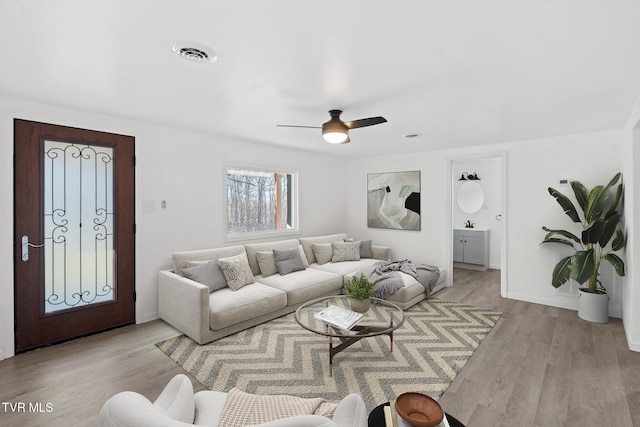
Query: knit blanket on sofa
x: 243, y: 409
x: 386, y: 278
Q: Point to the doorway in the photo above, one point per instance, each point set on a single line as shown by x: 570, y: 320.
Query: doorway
x: 479, y: 200
x: 74, y: 232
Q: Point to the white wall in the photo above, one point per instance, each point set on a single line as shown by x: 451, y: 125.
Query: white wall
x: 532, y: 166
x: 185, y: 169
x: 631, y: 293
x: 420, y: 246
x: 489, y: 171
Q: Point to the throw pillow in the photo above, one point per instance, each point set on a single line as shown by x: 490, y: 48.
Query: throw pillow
x: 208, y: 273
x: 237, y: 271
x: 345, y: 251
x: 267, y: 263
x: 365, y: 248
x: 288, y: 261
x: 303, y: 256
x: 323, y: 252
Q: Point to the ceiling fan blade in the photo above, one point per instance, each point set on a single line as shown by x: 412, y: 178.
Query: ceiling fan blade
x: 365, y: 122
x: 296, y: 126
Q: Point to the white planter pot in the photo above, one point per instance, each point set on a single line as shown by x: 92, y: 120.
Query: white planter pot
x: 360, y: 306
x: 593, y: 307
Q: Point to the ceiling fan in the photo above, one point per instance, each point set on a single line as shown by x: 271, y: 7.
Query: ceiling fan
x: 336, y: 131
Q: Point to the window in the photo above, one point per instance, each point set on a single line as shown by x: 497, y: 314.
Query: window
x: 260, y: 202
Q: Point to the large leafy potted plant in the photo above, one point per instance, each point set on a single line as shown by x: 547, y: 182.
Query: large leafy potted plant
x: 600, y: 237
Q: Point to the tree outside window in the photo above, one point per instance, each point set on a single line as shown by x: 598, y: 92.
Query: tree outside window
x: 259, y: 201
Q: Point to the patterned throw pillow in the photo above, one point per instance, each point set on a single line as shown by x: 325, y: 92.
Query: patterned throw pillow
x: 365, y: 248
x: 345, y: 251
x: 237, y: 271
x: 322, y: 252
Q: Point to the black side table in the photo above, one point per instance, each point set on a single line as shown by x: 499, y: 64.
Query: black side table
x: 376, y: 417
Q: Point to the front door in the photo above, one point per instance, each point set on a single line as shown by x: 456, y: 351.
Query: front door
x: 73, y: 231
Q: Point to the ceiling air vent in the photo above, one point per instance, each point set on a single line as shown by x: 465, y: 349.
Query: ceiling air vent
x: 195, y: 52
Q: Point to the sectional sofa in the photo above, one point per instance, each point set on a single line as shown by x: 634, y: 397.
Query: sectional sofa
x: 272, y: 282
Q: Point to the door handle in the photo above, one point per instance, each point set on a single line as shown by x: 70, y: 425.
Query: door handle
x: 25, y: 248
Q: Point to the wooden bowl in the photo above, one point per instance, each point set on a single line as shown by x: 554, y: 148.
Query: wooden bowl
x: 419, y: 410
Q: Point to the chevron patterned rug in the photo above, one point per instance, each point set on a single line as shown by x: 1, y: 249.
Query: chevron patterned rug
x: 280, y: 357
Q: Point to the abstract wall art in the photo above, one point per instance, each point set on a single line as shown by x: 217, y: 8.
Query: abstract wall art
x: 393, y: 200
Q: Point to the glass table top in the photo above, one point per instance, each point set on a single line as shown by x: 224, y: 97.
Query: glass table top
x: 381, y: 318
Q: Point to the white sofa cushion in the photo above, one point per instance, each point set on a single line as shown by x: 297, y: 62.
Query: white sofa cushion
x: 305, y: 285
x: 227, y: 307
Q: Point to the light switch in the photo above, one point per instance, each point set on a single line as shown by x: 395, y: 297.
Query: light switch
x: 148, y: 206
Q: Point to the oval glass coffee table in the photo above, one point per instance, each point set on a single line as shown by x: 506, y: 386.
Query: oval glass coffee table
x: 381, y: 319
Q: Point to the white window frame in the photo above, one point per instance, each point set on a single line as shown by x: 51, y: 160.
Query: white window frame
x: 294, y: 228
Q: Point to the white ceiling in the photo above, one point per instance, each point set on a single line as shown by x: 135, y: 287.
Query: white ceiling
x: 457, y: 72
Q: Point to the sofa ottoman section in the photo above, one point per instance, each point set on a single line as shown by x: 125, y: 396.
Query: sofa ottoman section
x: 227, y: 307
x: 412, y: 291
x: 305, y: 285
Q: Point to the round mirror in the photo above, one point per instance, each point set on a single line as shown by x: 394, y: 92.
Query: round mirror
x: 470, y: 197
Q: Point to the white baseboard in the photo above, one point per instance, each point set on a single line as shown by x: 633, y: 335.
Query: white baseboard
x: 560, y: 302
x: 148, y: 318
x: 633, y: 345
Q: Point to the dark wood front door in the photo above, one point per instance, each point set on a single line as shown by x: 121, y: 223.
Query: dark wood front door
x: 73, y: 231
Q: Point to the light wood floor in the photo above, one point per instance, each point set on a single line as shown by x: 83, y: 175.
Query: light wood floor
x: 540, y: 366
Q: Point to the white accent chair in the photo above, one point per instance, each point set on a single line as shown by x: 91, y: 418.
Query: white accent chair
x: 178, y: 406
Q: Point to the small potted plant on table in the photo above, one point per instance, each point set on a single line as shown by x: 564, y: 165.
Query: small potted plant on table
x: 360, y: 290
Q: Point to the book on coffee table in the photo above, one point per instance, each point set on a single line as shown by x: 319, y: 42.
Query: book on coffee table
x: 340, y: 317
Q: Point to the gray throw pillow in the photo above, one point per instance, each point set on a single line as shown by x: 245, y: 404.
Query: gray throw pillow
x: 208, y: 273
x: 288, y: 260
x: 323, y: 252
x: 267, y: 263
x: 365, y: 248
x: 345, y: 251
x: 237, y: 271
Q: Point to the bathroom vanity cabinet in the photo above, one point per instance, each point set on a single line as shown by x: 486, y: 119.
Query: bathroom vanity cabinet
x: 471, y: 248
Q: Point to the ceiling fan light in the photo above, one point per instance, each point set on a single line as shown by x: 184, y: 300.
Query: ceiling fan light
x: 335, y: 132
x: 335, y: 137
